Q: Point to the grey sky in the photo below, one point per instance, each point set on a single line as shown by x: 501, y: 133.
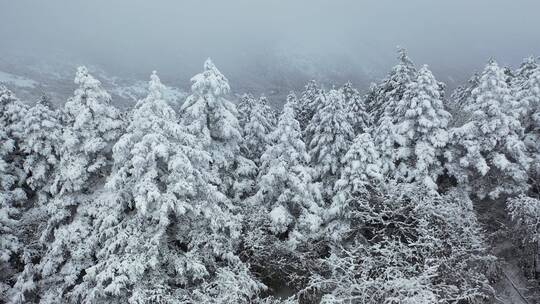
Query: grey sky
x: 350, y: 39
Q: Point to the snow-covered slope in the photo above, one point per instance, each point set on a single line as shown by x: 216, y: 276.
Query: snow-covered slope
x: 29, y: 79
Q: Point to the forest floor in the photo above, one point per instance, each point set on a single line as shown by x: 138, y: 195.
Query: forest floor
x: 511, y: 285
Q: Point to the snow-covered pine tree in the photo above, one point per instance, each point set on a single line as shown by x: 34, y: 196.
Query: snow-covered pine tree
x: 487, y: 155
x: 245, y: 104
x: 285, y: 189
x: 421, y: 122
x: 92, y: 127
x: 256, y: 131
x: 212, y: 118
x: 39, y: 143
x: 361, y: 173
x: 308, y: 103
x: 386, y: 138
x: 13, y: 201
x: 269, y: 112
x: 292, y: 99
x: 285, y: 214
x: 331, y: 136
x: 356, y: 109
x: 522, y: 74
x: 41, y: 140
x: 528, y: 95
x: 164, y: 234
x: 384, y: 96
x: 460, y: 98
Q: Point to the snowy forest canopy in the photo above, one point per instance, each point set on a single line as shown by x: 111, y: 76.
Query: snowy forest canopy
x: 339, y: 197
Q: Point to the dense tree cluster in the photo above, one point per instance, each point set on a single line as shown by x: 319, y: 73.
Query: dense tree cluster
x: 336, y: 198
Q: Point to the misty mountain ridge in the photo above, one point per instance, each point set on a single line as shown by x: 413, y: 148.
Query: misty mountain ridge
x: 282, y: 71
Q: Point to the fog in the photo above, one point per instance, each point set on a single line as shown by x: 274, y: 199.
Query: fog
x: 269, y: 44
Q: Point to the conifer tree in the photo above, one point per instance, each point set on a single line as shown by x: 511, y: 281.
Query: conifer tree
x: 529, y: 104
x: 12, y: 196
x: 487, y: 155
x: 40, y: 143
x: 461, y: 98
x: 256, y: 132
x: 294, y: 102
x: 331, y: 136
x: 308, y: 103
x: 384, y: 96
x: 284, y: 216
x: 285, y: 189
x: 386, y: 138
x: 244, y: 107
x: 92, y: 126
x: 522, y: 74
x: 361, y: 173
x: 356, y: 109
x: 422, y: 124
x: 212, y: 118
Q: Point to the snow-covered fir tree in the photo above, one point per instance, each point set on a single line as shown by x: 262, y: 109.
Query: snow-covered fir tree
x: 522, y: 74
x: 487, y: 154
x: 308, y: 103
x: 331, y: 136
x: 292, y: 99
x: 269, y: 111
x: 284, y: 216
x: 12, y: 196
x: 361, y: 173
x: 39, y: 143
x: 92, y: 127
x: 421, y: 122
x: 41, y: 140
x: 528, y: 95
x: 212, y: 118
x: 384, y: 96
x: 358, y: 116
x: 285, y: 189
x: 245, y: 104
x: 256, y: 131
x: 386, y: 138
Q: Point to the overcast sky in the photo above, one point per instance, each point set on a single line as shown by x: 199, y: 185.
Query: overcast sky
x: 455, y: 37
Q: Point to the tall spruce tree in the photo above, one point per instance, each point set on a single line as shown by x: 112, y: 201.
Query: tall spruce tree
x: 256, y: 131
x: 285, y: 189
x: 331, y: 136
x: 41, y: 142
x: 212, y: 118
x: 384, y: 96
x: 358, y: 116
x: 422, y: 122
x: 361, y: 173
x: 529, y: 103
x: 487, y: 155
x: 245, y: 104
x: 12, y: 196
x: 93, y: 126
x: 308, y: 103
